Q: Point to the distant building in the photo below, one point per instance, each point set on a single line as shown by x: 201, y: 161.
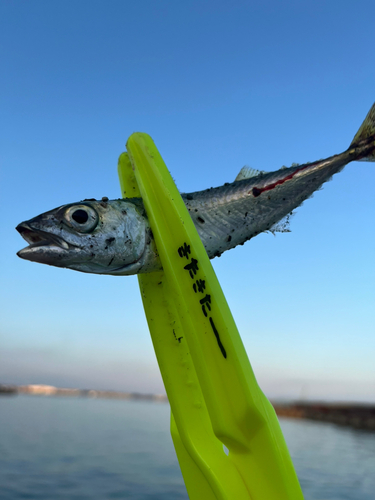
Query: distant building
x: 47, y: 390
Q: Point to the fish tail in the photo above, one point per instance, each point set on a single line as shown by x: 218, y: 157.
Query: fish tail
x: 364, y: 139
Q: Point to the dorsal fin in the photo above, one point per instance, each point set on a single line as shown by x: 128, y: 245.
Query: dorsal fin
x: 247, y: 173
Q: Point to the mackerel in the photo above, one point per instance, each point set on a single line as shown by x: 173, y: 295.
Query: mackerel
x: 114, y: 236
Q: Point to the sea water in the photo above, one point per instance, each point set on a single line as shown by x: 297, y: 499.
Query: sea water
x: 78, y: 448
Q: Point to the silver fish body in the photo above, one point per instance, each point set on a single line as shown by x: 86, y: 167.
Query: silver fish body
x: 114, y: 237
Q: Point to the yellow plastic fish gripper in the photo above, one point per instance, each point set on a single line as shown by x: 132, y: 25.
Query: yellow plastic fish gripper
x: 226, y: 434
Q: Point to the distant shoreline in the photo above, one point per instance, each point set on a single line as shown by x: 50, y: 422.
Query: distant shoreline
x: 50, y: 390
x: 355, y: 415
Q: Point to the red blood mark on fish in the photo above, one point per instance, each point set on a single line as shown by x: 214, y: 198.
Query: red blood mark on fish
x: 258, y: 191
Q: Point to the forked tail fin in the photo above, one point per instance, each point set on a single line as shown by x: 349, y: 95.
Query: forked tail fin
x: 366, y: 136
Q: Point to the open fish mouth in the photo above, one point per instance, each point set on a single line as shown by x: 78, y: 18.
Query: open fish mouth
x: 38, y: 238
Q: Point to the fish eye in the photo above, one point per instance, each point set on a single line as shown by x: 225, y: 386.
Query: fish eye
x: 82, y: 218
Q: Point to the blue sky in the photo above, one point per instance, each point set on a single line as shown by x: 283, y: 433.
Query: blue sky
x: 217, y: 85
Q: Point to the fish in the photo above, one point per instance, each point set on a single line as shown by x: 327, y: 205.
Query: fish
x: 114, y: 237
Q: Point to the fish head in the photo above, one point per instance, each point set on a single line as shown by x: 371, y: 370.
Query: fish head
x: 101, y: 237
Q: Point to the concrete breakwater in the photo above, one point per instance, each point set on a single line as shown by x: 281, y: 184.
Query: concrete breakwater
x: 359, y: 416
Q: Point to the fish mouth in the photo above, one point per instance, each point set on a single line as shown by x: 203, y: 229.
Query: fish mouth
x: 38, y: 238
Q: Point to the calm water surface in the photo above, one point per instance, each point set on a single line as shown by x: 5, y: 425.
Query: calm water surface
x: 57, y: 448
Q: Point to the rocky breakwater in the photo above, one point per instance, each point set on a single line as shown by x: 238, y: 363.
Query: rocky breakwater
x: 359, y: 416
